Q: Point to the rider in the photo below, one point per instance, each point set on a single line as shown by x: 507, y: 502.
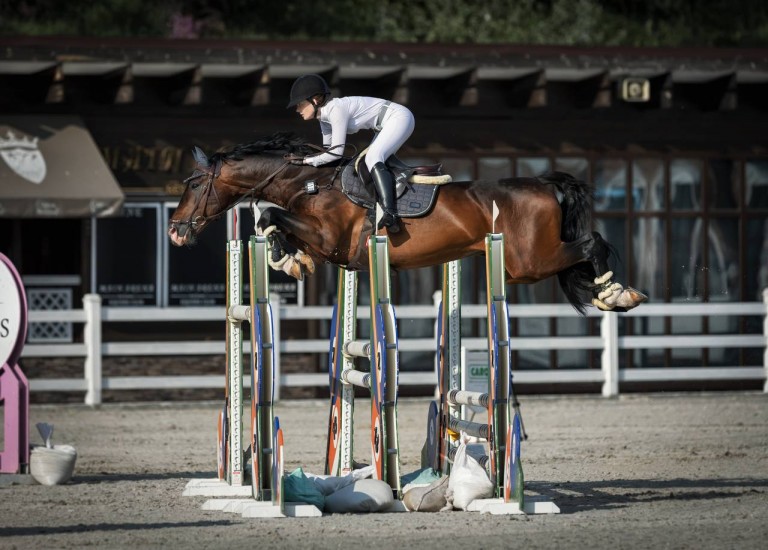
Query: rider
x: 392, y: 123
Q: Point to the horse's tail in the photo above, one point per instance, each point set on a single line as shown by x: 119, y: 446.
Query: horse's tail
x: 576, y: 281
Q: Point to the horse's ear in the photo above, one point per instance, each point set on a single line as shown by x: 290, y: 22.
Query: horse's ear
x: 200, y: 158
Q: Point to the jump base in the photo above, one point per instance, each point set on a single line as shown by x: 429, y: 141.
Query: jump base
x: 215, y: 488
x: 497, y: 506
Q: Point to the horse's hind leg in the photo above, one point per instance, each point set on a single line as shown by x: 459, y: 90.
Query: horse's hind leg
x: 598, y: 251
x: 609, y: 295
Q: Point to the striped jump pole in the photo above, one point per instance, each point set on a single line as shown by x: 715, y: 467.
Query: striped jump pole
x: 234, y: 477
x: 381, y: 376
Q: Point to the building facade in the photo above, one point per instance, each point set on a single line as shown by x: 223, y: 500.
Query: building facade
x: 673, y: 142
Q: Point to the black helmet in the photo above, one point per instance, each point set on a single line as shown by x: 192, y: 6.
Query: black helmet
x: 305, y: 87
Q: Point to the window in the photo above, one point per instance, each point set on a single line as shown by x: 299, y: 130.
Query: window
x: 491, y: 168
x: 648, y: 185
x: 610, y: 184
x: 756, y: 185
x: 532, y: 166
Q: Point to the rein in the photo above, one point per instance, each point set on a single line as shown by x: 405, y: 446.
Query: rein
x: 208, y: 188
x: 206, y: 192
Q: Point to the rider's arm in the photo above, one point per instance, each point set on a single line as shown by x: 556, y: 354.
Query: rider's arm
x: 333, y: 140
x: 325, y: 128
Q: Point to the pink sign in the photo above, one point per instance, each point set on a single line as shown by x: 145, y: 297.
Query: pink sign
x: 13, y: 313
x: 14, y: 387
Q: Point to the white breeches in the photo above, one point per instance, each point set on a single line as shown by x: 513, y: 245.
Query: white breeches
x: 396, y: 127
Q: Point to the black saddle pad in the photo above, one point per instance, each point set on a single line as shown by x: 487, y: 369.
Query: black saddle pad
x: 416, y: 201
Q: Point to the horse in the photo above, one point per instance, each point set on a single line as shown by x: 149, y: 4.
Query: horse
x: 545, y: 220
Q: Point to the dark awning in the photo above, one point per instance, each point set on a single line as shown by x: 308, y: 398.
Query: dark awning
x: 50, y: 167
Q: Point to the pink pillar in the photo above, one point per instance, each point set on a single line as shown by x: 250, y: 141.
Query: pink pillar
x: 14, y: 396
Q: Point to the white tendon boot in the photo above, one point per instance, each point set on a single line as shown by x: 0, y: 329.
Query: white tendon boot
x: 613, y: 295
x: 608, y: 297
x: 295, y: 265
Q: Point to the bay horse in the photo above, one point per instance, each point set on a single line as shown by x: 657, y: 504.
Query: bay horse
x: 545, y: 220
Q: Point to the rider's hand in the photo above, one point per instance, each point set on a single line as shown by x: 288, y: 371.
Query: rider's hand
x: 294, y: 159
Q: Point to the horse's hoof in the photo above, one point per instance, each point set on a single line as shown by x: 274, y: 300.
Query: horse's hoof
x: 296, y: 272
x: 292, y: 268
x: 631, y: 298
x: 638, y: 296
x: 307, y: 261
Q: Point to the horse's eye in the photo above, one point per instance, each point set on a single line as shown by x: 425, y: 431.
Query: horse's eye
x: 194, y: 185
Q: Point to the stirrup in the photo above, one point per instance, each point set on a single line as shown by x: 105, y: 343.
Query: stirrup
x: 389, y: 221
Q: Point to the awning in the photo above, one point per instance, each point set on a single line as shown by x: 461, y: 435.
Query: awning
x: 50, y: 167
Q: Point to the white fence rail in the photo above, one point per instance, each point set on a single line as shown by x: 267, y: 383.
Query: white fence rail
x: 609, y: 343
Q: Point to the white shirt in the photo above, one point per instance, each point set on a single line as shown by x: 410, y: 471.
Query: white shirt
x: 342, y: 116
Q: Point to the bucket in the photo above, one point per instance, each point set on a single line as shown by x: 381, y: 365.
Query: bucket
x: 54, y: 465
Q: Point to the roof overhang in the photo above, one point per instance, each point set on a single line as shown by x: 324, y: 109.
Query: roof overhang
x: 50, y: 167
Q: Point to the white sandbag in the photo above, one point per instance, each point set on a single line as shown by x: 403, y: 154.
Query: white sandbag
x: 429, y: 498
x: 468, y: 480
x: 364, y: 495
x: 330, y: 484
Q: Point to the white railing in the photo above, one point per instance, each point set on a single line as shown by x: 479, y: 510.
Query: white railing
x: 609, y: 342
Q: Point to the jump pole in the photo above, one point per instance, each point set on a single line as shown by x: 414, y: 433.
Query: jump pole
x: 231, y: 453
x: 259, y: 316
x: 503, y: 428
x: 381, y: 352
x: 266, y: 443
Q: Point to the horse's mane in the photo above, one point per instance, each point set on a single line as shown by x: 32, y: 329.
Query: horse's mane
x: 279, y: 142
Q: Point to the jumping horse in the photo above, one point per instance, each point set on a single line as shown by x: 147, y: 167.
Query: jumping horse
x: 545, y: 220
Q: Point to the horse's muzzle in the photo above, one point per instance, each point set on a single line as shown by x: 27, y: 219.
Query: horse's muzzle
x: 180, y: 234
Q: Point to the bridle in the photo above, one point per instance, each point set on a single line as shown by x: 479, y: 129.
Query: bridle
x: 201, y: 196
x: 209, y: 188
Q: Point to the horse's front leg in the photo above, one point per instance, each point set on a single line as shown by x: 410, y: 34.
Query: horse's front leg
x: 276, y: 224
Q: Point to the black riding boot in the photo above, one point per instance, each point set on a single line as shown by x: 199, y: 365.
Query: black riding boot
x: 385, y: 188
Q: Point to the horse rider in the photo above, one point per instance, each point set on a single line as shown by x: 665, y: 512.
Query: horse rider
x: 392, y: 123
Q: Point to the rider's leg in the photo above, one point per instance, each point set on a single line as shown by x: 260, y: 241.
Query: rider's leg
x: 396, y: 128
x: 385, y: 189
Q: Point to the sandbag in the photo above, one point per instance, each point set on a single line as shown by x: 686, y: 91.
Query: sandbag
x: 468, y: 480
x: 430, y: 498
x: 330, y: 484
x: 299, y: 488
x: 364, y: 495
x: 419, y: 478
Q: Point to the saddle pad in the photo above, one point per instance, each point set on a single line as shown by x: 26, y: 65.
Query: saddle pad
x: 416, y: 201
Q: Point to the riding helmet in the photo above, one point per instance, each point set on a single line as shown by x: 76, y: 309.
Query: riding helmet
x: 306, y: 86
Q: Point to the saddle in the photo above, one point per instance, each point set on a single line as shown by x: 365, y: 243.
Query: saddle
x: 415, y: 186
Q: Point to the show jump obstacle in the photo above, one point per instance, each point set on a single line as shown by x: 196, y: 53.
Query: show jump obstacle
x: 503, y: 428
x: 381, y: 355
x: 14, y: 387
x: 266, y: 446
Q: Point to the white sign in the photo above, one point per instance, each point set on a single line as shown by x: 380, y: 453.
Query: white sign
x: 474, y: 374
x: 12, y: 313
x: 23, y: 157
